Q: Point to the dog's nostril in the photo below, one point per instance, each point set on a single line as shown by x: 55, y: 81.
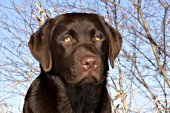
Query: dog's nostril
x: 89, y: 62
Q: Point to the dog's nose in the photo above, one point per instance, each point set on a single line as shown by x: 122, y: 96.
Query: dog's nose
x: 89, y: 62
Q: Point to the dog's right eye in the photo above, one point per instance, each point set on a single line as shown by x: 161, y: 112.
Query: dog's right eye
x: 67, y: 39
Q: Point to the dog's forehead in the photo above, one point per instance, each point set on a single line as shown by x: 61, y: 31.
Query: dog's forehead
x: 78, y: 21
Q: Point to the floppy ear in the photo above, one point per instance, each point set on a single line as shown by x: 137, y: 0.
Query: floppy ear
x: 115, y: 45
x: 39, y: 45
x: 115, y: 41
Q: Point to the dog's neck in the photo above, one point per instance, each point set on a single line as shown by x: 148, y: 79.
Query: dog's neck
x: 85, y: 98
x: 82, y: 98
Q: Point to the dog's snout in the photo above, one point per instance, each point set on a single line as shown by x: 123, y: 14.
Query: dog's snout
x: 89, y: 62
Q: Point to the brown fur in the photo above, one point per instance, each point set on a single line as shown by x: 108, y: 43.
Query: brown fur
x: 73, y: 51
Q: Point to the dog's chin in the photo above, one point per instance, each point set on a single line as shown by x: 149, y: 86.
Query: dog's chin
x: 92, y: 78
x: 89, y: 80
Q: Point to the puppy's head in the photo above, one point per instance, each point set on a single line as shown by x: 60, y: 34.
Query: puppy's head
x: 76, y: 46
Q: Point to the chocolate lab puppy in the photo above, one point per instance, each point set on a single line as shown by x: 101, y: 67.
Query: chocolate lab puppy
x: 73, y: 51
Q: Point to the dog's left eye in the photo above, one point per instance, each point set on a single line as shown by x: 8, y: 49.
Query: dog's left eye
x: 97, y: 38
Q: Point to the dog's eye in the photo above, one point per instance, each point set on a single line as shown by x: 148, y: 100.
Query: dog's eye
x: 67, y: 39
x: 98, y: 38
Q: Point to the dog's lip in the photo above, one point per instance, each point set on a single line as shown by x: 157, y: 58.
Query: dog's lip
x: 90, y: 73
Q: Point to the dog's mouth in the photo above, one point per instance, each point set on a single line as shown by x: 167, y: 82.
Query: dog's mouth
x: 90, y: 76
x: 86, y: 77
